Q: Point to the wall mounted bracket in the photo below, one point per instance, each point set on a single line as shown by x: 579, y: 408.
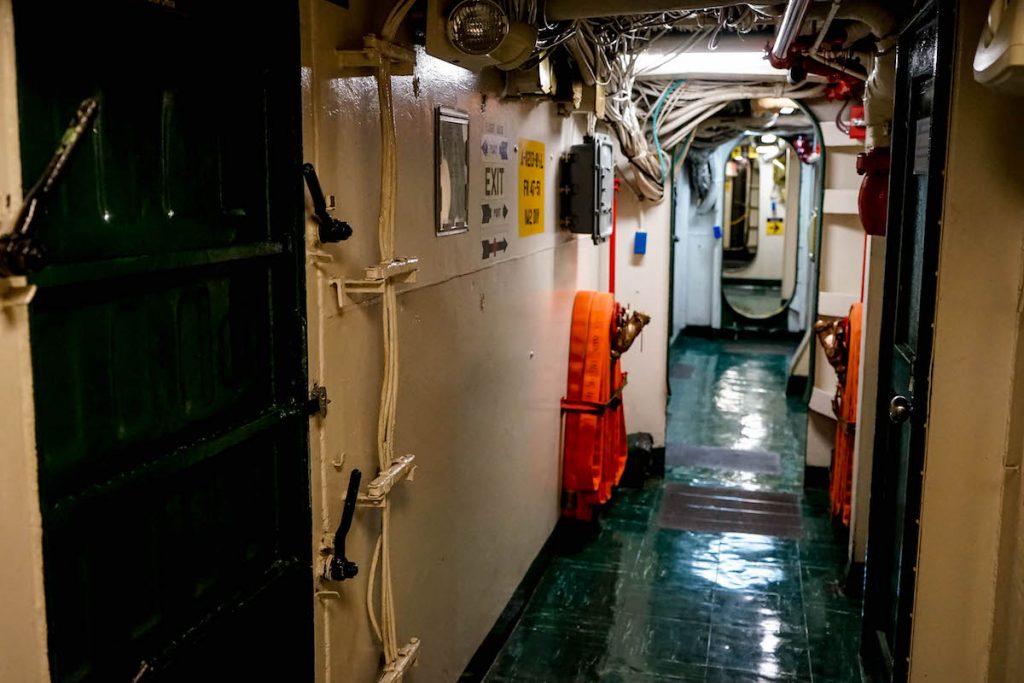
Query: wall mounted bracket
x: 375, y: 53
x: 16, y: 291
x: 377, y: 492
x: 407, y: 655
x: 399, y: 270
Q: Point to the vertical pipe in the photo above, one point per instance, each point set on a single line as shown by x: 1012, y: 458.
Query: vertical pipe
x: 611, y: 244
x: 789, y: 27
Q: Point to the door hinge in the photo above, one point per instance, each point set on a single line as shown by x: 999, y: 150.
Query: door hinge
x: 317, y: 403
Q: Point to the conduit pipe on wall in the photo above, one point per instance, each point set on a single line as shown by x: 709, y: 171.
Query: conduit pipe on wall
x: 789, y: 27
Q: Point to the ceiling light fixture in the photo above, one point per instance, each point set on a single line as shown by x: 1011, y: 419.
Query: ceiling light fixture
x: 477, y: 27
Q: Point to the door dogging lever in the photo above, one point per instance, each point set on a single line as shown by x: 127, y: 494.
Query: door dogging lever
x: 338, y: 566
x: 331, y: 229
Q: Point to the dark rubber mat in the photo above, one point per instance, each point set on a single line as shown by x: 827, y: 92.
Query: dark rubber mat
x: 763, y: 462
x: 719, y: 510
x: 682, y: 371
x: 759, y: 349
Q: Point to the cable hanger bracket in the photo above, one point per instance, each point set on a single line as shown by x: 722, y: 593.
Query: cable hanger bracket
x: 377, y: 491
x: 376, y: 53
x: 399, y: 270
x: 406, y: 659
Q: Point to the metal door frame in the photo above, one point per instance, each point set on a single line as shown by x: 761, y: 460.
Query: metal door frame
x: 894, y: 666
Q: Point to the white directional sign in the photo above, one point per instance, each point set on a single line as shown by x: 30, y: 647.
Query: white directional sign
x: 496, y: 208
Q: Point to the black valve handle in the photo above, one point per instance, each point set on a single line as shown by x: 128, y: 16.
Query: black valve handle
x: 340, y: 568
x: 331, y: 229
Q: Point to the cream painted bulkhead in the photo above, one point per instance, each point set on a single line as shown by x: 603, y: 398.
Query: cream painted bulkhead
x: 483, y: 346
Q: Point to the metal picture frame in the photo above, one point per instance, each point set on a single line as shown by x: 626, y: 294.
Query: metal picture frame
x: 451, y: 171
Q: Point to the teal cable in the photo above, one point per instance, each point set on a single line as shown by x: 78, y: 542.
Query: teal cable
x: 654, y: 126
x: 678, y: 151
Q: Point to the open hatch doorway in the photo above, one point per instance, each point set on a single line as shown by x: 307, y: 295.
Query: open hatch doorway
x: 747, y: 195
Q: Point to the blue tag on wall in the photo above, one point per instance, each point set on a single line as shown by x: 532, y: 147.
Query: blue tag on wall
x: 640, y: 243
x: 718, y: 232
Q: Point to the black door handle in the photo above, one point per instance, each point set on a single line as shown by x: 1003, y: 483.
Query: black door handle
x: 19, y: 253
x: 331, y: 229
x: 340, y: 567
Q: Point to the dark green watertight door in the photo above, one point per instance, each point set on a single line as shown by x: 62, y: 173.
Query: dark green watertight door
x: 168, y: 342
x: 924, y: 79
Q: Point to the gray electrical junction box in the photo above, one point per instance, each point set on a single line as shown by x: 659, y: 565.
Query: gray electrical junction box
x: 587, y: 188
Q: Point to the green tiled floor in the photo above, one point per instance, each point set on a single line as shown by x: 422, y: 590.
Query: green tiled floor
x: 638, y: 603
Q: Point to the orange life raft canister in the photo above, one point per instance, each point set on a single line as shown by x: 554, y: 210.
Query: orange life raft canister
x: 595, y: 424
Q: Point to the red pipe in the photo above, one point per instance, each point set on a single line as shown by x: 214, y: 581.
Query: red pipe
x: 611, y: 243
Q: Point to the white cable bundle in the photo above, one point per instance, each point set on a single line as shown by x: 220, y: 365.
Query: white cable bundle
x: 679, y: 110
x: 386, y: 629
x: 653, y: 117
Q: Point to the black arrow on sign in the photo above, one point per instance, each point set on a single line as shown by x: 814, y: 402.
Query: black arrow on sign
x: 487, y: 212
x: 493, y: 247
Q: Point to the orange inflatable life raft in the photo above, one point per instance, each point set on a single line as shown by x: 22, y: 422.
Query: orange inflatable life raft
x: 595, y: 424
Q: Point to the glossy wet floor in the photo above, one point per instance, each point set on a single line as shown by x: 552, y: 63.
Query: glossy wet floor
x: 638, y: 602
x: 754, y: 299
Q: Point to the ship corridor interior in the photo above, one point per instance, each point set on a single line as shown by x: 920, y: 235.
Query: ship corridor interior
x: 529, y: 341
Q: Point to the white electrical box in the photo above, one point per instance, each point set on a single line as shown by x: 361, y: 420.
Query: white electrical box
x: 999, y: 61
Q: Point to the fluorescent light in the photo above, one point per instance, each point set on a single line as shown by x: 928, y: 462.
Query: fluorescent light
x: 767, y: 150
x: 719, y: 64
x: 786, y: 111
x: 769, y: 138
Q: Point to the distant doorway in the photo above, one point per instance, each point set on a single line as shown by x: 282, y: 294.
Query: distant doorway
x: 743, y: 218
